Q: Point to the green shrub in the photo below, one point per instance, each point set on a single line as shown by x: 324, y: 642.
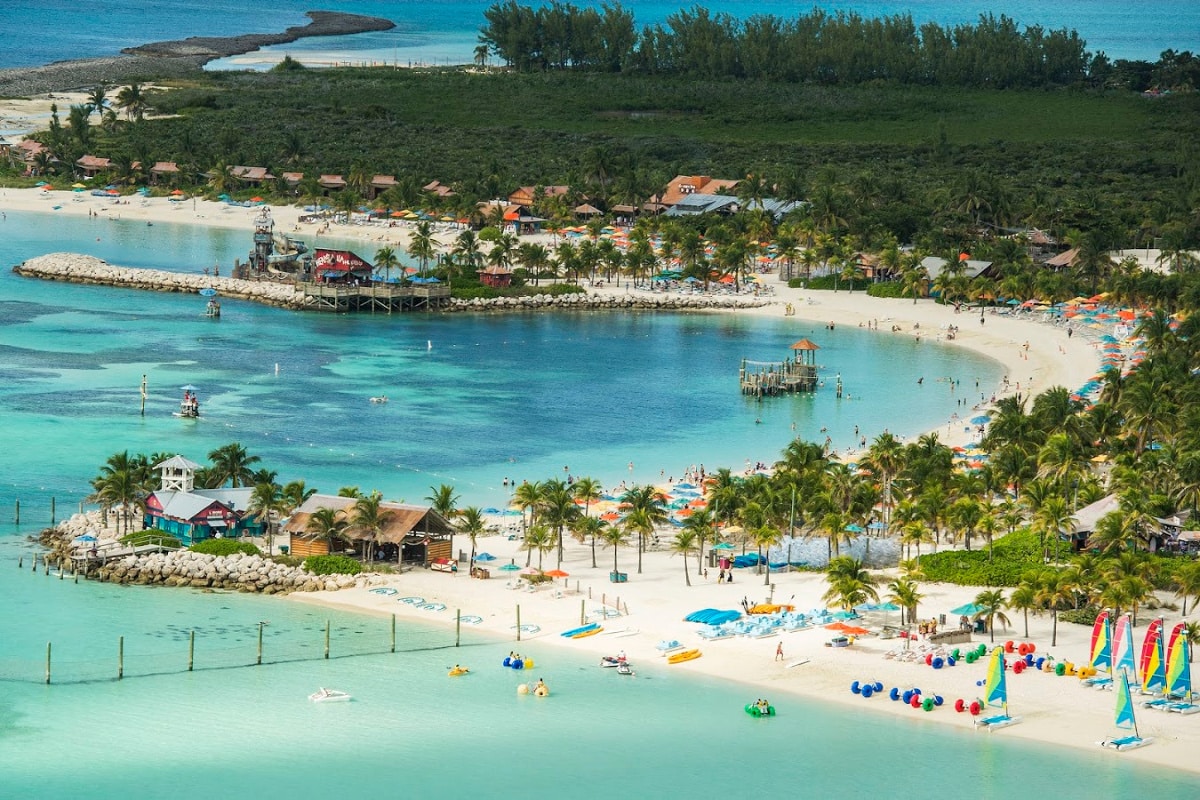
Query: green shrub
x: 332, y: 565
x: 1013, y: 556
x: 1084, y: 616
x: 224, y: 547
x: 488, y: 292
x: 835, y: 283
x: 887, y: 289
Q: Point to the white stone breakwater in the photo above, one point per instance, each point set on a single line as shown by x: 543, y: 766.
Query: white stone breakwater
x: 77, y: 268
x: 238, y: 572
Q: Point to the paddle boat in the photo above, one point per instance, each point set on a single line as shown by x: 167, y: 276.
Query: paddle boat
x: 686, y: 655
x: 456, y: 670
x: 839, y: 641
x: 324, y: 695
x: 539, y: 689
x: 760, y: 709
x: 667, y: 646
x: 516, y: 662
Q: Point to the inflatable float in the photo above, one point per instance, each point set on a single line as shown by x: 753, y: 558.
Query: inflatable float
x: 517, y: 663
x: 762, y: 709
x: 456, y: 671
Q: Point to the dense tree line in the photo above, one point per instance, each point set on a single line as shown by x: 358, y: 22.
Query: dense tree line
x: 830, y: 48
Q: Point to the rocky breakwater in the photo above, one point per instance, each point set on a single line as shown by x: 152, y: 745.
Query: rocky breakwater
x: 600, y: 302
x: 76, y: 268
x: 241, y: 572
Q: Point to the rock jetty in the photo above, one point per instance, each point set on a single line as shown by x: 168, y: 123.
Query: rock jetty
x: 175, y: 59
x: 238, y: 572
x: 75, y: 268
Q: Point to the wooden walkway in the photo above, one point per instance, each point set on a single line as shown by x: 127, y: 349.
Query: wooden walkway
x: 761, y: 378
x: 382, y: 298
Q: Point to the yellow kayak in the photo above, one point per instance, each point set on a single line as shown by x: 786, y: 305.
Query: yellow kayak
x: 458, y: 671
x: 583, y: 634
x: 686, y: 655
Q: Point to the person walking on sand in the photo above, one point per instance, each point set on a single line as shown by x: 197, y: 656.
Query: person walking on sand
x: 779, y: 652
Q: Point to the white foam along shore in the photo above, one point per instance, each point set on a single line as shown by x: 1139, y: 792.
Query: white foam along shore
x: 1055, y: 709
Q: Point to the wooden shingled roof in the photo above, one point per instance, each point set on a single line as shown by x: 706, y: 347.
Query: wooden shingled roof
x: 806, y: 344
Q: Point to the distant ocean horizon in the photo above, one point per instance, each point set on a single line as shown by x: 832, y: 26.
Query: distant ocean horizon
x: 446, y: 31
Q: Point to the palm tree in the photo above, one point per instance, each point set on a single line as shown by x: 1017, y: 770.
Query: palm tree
x: 368, y: 520
x: 295, y: 493
x: 646, y: 511
x: 588, y: 528
x: 684, y: 544
x: 528, y: 497
x: 97, y: 100
x: 443, y: 500
x: 558, y: 509
x: 766, y: 537
x: 329, y: 524
x: 1187, y: 582
x: 1023, y: 598
x: 471, y: 522
x: 614, y: 536
x: 231, y: 463
x: 385, y: 259
x: 422, y: 245
x: 850, y: 584
x: 266, y: 505
x: 1055, y: 592
x: 538, y: 538
x: 700, y: 522
x: 905, y: 593
x: 132, y: 101
x: 588, y: 490
x: 991, y: 604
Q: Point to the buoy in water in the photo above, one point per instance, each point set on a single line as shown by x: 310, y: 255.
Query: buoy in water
x: 523, y: 688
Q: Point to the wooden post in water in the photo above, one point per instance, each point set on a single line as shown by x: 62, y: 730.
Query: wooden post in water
x: 120, y: 657
x: 143, y: 395
x: 582, y: 611
x: 20, y: 562
x: 518, y: 622
x: 260, y: 631
x: 34, y: 567
x: 191, y: 650
x: 457, y: 626
x: 393, y: 633
x: 47, y: 662
x: 51, y: 510
x: 326, y: 640
x: 17, y: 513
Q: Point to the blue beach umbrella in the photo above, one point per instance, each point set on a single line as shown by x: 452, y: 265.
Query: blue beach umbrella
x: 854, y: 528
x: 510, y: 567
x: 485, y: 557
x: 209, y: 292
x: 982, y: 419
x: 967, y: 610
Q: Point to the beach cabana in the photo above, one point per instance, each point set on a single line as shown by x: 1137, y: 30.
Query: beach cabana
x: 164, y: 171
x: 410, y: 533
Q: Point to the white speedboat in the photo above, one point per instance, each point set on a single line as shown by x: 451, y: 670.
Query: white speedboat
x: 324, y: 695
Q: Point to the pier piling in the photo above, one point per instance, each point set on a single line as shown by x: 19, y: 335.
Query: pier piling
x: 17, y: 512
x: 260, y: 635
x: 47, y: 663
x: 191, y: 650
x: 326, y: 640
x: 518, y: 622
x: 393, y: 633
x: 457, y: 626
x: 120, y: 657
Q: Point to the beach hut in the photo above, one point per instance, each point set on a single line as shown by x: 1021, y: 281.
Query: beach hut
x: 192, y: 515
x: 410, y: 534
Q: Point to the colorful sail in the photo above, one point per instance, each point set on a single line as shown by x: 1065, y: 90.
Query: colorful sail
x: 1154, y: 662
x: 1101, y: 644
x: 995, y: 688
x: 1122, y: 654
x: 1124, y: 704
x: 1179, y: 667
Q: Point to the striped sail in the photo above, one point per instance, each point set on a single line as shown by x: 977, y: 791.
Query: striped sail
x: 1101, y: 644
x: 1124, y: 704
x: 995, y: 688
x: 1122, y: 657
x: 1154, y: 662
x: 1179, y: 667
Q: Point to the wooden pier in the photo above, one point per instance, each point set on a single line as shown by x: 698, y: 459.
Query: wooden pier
x: 768, y: 378
x: 383, y: 298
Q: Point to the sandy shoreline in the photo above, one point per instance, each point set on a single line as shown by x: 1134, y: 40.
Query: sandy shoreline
x: 1055, y: 709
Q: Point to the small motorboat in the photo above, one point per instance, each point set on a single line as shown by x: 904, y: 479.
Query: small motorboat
x: 324, y: 695
x: 189, y: 406
x: 379, y: 399
x: 624, y: 669
x: 610, y: 661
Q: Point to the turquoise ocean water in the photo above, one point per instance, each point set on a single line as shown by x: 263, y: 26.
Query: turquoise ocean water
x: 444, y: 31
x: 587, y: 391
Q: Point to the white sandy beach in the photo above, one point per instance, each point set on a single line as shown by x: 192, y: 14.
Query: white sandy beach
x: 1055, y: 709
